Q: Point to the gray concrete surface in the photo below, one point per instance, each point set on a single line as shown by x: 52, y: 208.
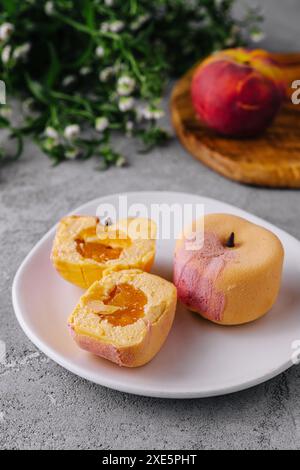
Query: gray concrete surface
x: 43, y: 405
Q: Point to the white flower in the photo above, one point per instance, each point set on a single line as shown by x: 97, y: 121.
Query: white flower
x: 100, y: 51
x: 85, y: 70
x: 104, y: 28
x: 71, y: 131
x: 109, y: 3
x: 257, y: 36
x: 116, y: 26
x: 106, y: 74
x: 147, y: 113
x: 152, y: 113
x: 68, y: 80
x: 158, y: 113
x: 126, y: 103
x: 140, y: 20
x: 49, y: 8
x: 21, y: 52
x: 6, y: 29
x: 113, y: 26
x: 125, y: 85
x: 51, y: 133
x: 101, y: 123
x: 5, y: 55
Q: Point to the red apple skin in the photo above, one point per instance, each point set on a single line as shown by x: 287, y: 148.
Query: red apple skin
x: 234, y: 99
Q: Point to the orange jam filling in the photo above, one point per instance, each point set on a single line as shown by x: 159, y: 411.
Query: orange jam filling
x: 131, y: 302
x: 97, y: 251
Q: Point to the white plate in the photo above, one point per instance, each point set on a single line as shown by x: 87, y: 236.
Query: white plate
x: 199, y: 359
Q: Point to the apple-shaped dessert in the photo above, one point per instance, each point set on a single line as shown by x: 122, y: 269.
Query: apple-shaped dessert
x: 234, y: 277
x: 125, y: 317
x: 238, y: 92
x: 84, y: 249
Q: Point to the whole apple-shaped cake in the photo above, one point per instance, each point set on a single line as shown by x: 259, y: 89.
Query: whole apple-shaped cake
x: 233, y: 276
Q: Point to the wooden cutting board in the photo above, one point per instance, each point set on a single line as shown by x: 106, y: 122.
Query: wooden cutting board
x: 272, y: 159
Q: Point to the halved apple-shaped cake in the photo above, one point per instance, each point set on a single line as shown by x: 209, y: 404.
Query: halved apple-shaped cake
x: 84, y: 249
x: 125, y: 317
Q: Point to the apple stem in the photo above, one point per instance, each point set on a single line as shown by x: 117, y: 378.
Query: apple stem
x: 230, y: 241
x: 108, y: 222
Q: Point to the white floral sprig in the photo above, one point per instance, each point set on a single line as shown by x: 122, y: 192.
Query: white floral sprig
x: 152, y: 112
x: 103, y: 67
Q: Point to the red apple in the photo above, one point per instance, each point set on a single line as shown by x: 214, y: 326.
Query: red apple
x: 237, y: 92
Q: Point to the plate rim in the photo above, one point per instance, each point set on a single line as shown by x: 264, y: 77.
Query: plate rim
x: 119, y: 385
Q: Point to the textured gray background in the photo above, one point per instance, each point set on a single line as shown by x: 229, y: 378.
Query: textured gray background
x: 44, y: 406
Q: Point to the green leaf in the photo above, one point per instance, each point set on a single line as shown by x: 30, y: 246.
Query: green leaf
x: 36, y: 89
x: 54, y: 67
x: 10, y: 6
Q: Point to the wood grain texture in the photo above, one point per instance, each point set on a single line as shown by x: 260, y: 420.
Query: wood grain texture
x: 272, y: 159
